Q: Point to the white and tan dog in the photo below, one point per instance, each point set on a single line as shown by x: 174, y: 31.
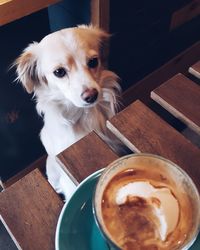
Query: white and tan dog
x: 73, y: 91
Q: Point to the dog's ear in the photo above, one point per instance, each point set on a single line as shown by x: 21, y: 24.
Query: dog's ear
x: 26, y: 65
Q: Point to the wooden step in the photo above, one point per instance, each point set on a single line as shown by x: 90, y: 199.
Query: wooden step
x: 195, y: 69
x: 29, y: 209
x: 85, y: 157
x: 180, y: 96
x: 140, y: 129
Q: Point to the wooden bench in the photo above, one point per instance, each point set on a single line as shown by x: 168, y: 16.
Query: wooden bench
x: 29, y: 207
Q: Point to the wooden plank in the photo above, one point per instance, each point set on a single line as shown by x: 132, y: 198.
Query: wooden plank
x: 85, y: 157
x: 39, y: 163
x: 29, y: 209
x: 100, y: 13
x: 14, y: 9
x: 181, y: 97
x: 185, y: 14
x: 143, y: 131
x: 141, y: 90
x: 195, y: 69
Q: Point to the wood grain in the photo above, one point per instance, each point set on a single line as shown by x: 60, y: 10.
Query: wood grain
x: 29, y: 209
x: 181, y: 97
x: 144, y: 131
x: 85, y: 157
x: 11, y: 10
x: 195, y: 69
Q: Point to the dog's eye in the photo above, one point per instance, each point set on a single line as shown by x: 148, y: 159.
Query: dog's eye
x: 60, y: 72
x: 93, y: 63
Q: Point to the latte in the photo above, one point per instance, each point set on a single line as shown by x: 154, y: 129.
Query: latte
x: 146, y: 202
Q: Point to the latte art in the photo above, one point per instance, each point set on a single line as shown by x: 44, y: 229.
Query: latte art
x: 143, y: 210
x: 161, y: 202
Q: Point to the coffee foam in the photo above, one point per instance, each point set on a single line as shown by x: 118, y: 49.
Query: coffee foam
x: 165, y: 207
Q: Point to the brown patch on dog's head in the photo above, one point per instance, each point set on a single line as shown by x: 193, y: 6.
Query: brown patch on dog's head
x: 101, y: 37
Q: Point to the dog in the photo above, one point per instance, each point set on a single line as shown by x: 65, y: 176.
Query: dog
x: 74, y: 92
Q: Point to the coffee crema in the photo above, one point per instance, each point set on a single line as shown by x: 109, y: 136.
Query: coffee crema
x: 136, y: 222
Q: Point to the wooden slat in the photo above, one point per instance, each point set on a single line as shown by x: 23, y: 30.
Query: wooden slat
x: 11, y: 10
x: 185, y: 14
x: 195, y: 69
x: 144, y: 131
x: 181, y: 97
x: 85, y: 157
x: 29, y: 209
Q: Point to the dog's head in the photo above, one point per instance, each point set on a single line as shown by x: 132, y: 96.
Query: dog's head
x: 68, y: 62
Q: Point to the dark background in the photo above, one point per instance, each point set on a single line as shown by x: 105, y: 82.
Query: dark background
x: 142, y: 40
x: 19, y: 123
x: 141, y: 43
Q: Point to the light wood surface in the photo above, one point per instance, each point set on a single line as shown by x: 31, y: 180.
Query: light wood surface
x: 181, y: 97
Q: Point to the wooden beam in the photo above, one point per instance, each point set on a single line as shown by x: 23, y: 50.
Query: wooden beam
x: 11, y: 10
x: 100, y: 14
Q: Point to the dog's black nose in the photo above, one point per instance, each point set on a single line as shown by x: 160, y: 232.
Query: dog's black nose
x: 90, y: 95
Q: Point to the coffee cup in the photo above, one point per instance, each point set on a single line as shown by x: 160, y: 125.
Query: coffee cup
x: 144, y: 201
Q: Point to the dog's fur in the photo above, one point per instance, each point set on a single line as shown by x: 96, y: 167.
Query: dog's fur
x: 62, y: 100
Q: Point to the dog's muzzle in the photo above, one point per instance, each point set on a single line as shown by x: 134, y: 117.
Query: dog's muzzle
x: 90, y: 95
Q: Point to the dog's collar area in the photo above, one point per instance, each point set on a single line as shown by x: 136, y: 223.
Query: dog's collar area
x: 71, y: 118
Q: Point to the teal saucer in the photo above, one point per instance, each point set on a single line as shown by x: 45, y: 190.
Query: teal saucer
x: 76, y: 228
